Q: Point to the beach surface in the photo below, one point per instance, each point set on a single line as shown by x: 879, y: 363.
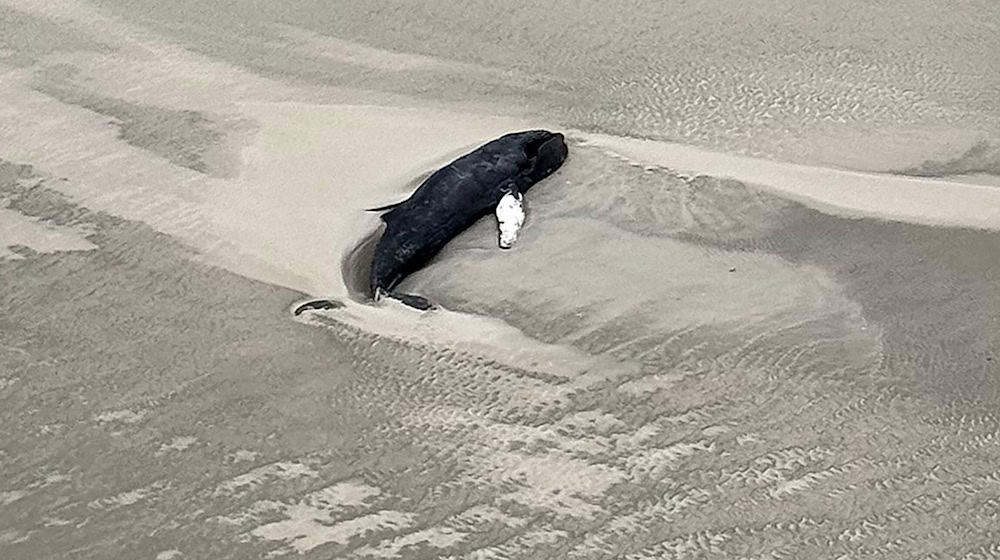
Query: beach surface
x: 756, y: 314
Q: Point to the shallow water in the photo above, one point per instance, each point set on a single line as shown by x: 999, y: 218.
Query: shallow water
x: 687, y: 354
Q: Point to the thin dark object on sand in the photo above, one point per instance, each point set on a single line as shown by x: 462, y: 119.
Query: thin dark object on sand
x: 320, y: 304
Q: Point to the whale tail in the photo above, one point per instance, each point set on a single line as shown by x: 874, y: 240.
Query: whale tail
x: 416, y: 302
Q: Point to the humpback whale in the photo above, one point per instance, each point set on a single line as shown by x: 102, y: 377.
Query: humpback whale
x: 455, y: 197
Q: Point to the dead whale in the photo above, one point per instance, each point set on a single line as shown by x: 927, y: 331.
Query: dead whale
x: 455, y: 197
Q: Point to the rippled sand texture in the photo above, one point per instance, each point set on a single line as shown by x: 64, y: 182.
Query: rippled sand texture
x: 150, y: 408
x: 673, y: 362
x: 846, y: 82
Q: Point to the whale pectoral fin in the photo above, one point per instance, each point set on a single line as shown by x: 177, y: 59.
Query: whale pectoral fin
x: 386, y: 207
x: 390, y: 212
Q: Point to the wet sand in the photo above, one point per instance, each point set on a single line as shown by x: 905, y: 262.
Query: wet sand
x: 773, y: 336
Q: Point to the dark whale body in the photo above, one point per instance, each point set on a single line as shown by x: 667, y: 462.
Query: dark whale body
x: 455, y: 197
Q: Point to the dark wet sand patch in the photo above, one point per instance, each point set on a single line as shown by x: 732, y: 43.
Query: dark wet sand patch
x: 208, y: 144
x: 982, y: 158
x: 933, y: 291
x: 25, y: 38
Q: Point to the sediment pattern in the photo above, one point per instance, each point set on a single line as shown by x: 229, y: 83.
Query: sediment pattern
x: 754, y: 379
x: 326, y: 440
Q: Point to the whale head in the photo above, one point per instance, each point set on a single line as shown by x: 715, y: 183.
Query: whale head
x: 546, y: 151
x: 540, y: 153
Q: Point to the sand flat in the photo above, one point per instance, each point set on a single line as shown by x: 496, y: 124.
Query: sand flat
x: 771, y: 358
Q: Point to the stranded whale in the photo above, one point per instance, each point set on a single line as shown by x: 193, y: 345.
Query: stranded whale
x: 455, y: 197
